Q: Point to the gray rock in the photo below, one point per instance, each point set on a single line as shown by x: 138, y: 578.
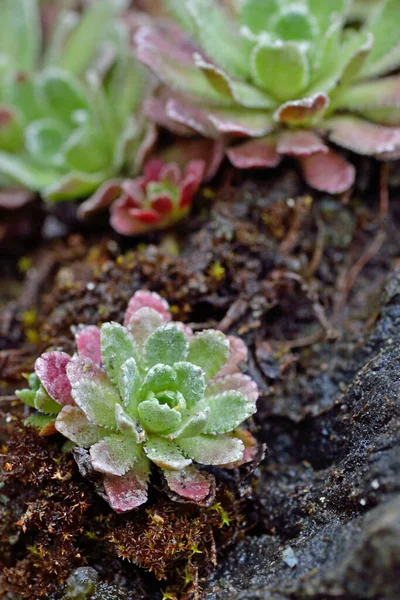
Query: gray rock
x: 330, y: 488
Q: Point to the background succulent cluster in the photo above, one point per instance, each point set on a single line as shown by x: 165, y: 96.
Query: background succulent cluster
x: 147, y: 392
x: 287, y: 75
x: 70, y: 103
x: 293, y: 78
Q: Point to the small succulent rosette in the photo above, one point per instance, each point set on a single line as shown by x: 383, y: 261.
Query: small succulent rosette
x: 150, y: 391
x: 158, y: 199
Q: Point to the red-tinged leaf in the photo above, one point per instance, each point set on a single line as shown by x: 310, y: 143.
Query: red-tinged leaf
x: 130, y: 490
x: 155, y: 110
x: 171, y: 173
x: 162, y: 205
x: 189, y: 483
x: 152, y: 170
x: 238, y: 354
x: 93, y: 391
x: 102, y: 199
x: 169, y: 54
x: 134, y: 190
x: 236, y: 382
x: 255, y: 154
x: 146, y: 216
x: 51, y: 369
x: 6, y: 116
x: 122, y: 220
x: 15, y: 198
x: 300, y: 143
x: 190, y: 116
x: 363, y: 137
x: 146, y: 299
x: 241, y: 122
x: 49, y: 429
x: 300, y: 112
x: 191, y: 182
x: 88, y: 343
x: 328, y: 172
x: 146, y: 146
x: 207, y: 150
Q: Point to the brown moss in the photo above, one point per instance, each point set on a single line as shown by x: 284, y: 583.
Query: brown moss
x: 53, y: 522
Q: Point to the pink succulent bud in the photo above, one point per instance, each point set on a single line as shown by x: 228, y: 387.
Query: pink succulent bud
x: 159, y: 198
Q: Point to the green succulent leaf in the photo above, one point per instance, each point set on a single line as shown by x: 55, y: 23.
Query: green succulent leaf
x: 212, y: 450
x: 42, y: 422
x: 159, y: 378
x: 11, y: 130
x: 44, y: 403
x: 294, y: 23
x: 158, y: 418
x: 62, y: 94
x: 72, y: 185
x: 209, y: 350
x: 255, y: 14
x: 44, y: 140
x: 167, y: 345
x: 227, y: 411
x: 115, y: 454
x: 385, y: 54
x: 325, y: 12
x: 26, y: 396
x: 23, y: 171
x: 165, y: 454
x: 193, y: 425
x: 129, y: 383
x: 117, y: 346
x: 66, y: 23
x: 178, y: 10
x: 190, y: 381
x: 282, y: 69
x: 20, y: 33
x: 83, y: 41
x: 126, y: 424
x: 93, y: 391
x: 22, y: 95
x: 220, y: 37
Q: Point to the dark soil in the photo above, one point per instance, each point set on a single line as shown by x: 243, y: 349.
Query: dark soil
x: 302, y: 280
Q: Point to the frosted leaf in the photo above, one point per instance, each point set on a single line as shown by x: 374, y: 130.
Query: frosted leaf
x: 212, y: 449
x: 165, y: 454
x: 114, y: 454
x: 74, y: 425
x: 209, y: 350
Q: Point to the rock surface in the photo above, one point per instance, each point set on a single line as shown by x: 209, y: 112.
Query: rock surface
x: 335, y: 515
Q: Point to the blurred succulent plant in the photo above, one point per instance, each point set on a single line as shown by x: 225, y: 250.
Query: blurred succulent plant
x: 156, y: 200
x: 69, y: 112
x: 289, y: 75
x: 147, y: 392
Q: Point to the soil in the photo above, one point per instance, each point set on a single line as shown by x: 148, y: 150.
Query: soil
x: 312, y: 284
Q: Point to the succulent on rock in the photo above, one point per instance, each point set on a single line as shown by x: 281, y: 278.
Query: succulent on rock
x: 156, y: 200
x: 69, y: 105
x: 290, y: 76
x: 149, y: 392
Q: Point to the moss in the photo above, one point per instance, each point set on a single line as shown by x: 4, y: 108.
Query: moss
x: 53, y: 522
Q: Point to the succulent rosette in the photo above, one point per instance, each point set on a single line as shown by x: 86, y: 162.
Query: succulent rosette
x: 289, y: 76
x: 158, y: 199
x: 70, y: 100
x: 148, y: 392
